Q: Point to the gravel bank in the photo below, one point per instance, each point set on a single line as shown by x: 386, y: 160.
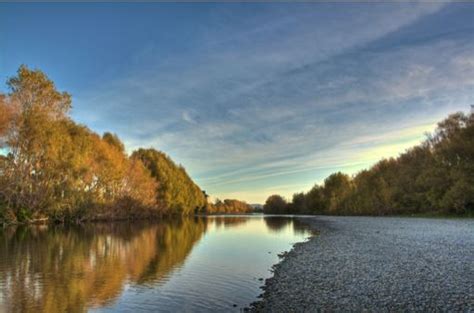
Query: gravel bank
x: 376, y: 264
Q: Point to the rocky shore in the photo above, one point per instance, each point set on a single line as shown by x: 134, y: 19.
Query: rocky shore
x: 376, y: 264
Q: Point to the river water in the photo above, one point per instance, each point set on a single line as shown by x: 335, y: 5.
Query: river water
x: 199, y: 264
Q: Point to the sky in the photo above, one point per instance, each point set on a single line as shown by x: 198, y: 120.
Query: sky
x: 253, y: 99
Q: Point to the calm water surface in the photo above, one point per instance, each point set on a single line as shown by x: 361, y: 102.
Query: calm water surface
x: 196, y: 264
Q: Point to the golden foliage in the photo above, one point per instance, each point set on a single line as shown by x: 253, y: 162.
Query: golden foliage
x: 436, y: 176
x: 176, y: 191
x: 228, y: 206
x: 60, y: 169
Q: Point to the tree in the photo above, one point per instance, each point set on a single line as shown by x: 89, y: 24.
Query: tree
x: 36, y: 93
x: 228, y: 206
x: 176, y: 191
x: 298, y: 203
x: 31, y: 138
x: 337, y: 188
x: 453, y: 150
x: 114, y: 141
x: 435, y: 176
x: 275, y: 204
x: 6, y: 117
x: 315, y: 201
x: 58, y: 168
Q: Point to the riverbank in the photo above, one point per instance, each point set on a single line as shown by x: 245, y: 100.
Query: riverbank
x: 376, y: 264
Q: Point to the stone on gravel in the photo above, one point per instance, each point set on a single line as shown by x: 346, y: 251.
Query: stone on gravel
x: 377, y: 264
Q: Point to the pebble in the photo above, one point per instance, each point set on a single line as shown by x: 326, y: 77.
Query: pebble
x: 376, y: 264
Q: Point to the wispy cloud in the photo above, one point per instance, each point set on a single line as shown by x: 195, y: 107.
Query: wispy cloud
x: 283, y: 95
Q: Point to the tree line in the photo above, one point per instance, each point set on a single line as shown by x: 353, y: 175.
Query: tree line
x: 228, y: 206
x: 56, y: 168
x: 436, y: 176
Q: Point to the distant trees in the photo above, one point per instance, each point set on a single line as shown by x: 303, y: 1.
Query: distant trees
x: 228, y: 206
x: 275, y: 204
x: 56, y: 168
x: 436, y: 176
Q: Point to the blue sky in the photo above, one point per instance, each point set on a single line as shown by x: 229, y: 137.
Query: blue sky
x: 253, y: 99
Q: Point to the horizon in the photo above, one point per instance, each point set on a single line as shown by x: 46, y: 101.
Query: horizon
x: 253, y: 99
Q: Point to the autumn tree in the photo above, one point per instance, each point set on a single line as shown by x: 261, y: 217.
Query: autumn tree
x: 176, y: 191
x: 314, y: 200
x: 31, y: 140
x: 435, y: 176
x: 228, y: 206
x: 57, y: 168
x: 453, y: 149
x: 114, y: 141
x: 337, y: 188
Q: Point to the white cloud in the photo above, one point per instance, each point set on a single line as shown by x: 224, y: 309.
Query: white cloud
x: 283, y: 94
x: 186, y: 116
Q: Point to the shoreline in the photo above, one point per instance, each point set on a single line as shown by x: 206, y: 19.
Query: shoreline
x: 302, y: 217
x: 106, y: 219
x: 375, y: 264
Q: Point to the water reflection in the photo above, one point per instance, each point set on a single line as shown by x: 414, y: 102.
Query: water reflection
x: 66, y: 269
x: 227, y: 221
x: 278, y: 223
x: 72, y: 269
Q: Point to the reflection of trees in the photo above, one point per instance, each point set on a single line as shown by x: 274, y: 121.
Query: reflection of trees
x: 228, y: 221
x: 276, y: 223
x: 60, y: 269
x: 300, y: 228
x: 175, y: 239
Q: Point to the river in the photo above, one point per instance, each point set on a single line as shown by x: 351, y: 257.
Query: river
x: 199, y: 264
